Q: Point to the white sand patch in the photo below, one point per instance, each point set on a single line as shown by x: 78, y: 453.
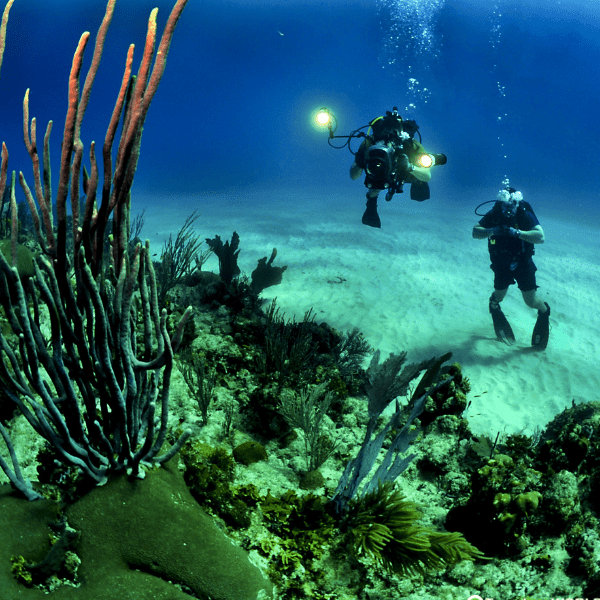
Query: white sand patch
x: 419, y: 284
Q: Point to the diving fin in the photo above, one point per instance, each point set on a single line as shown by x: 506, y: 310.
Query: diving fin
x: 419, y: 191
x: 502, y: 327
x: 371, y: 217
x: 541, y: 330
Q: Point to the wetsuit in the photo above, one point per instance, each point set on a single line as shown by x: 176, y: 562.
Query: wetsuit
x: 511, y: 257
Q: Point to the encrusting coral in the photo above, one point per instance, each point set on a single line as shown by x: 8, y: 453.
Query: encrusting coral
x: 140, y: 539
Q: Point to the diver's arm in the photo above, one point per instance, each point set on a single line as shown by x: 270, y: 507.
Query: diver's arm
x: 421, y: 173
x: 481, y: 233
x: 417, y: 171
x: 355, y: 171
x: 359, y: 159
x: 534, y: 236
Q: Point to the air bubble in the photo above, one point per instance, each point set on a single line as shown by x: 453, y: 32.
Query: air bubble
x: 410, y: 28
x: 410, y: 35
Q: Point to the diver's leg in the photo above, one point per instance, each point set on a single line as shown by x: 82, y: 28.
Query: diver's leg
x: 528, y: 287
x: 532, y: 300
x: 541, y: 329
x: 502, y: 327
x: 497, y: 297
x: 370, y: 216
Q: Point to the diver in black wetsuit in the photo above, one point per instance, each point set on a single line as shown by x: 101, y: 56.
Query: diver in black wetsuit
x: 512, y: 229
x: 391, y: 157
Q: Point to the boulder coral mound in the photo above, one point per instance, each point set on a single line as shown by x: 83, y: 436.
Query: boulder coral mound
x: 140, y: 539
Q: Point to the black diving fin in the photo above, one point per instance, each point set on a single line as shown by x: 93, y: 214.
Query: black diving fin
x: 419, y: 191
x: 370, y: 216
x: 502, y: 327
x: 541, y: 330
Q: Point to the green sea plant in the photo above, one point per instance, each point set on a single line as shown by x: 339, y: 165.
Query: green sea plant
x: 387, y: 381
x: 199, y: 380
x: 383, y: 525
x: 59, y: 566
x: 19, y: 570
x: 305, y: 411
x: 350, y: 351
x: 209, y: 475
x: 507, y: 504
x: 301, y: 530
x: 289, y: 345
x: 180, y: 258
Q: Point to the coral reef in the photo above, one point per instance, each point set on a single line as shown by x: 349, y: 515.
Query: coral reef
x: 265, y: 275
x: 227, y: 254
x: 512, y: 499
x: 129, y: 548
x: 535, y: 498
x: 296, y: 480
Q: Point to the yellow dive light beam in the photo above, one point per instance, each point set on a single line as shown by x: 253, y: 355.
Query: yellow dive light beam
x: 323, y: 117
x: 425, y: 160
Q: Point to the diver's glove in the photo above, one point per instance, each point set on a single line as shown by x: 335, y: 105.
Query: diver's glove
x: 403, y: 164
x: 505, y: 231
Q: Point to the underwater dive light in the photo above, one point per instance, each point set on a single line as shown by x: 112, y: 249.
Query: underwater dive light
x: 325, y: 118
x: 430, y: 160
x: 425, y: 160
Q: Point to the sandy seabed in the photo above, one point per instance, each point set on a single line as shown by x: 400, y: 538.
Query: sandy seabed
x: 419, y: 284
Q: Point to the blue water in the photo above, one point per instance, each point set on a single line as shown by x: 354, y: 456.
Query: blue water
x: 504, y: 88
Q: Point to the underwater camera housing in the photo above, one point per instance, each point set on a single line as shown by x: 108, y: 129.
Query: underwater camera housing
x: 392, y: 129
x: 389, y: 134
x: 380, y: 165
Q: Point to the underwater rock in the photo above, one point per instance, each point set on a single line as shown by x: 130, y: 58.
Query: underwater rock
x: 501, y: 506
x: 562, y: 503
x: 312, y: 480
x: 449, y: 399
x: 569, y: 441
x: 249, y: 453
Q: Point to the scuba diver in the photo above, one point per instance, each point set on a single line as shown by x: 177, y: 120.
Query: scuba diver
x: 512, y: 228
x: 390, y: 156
